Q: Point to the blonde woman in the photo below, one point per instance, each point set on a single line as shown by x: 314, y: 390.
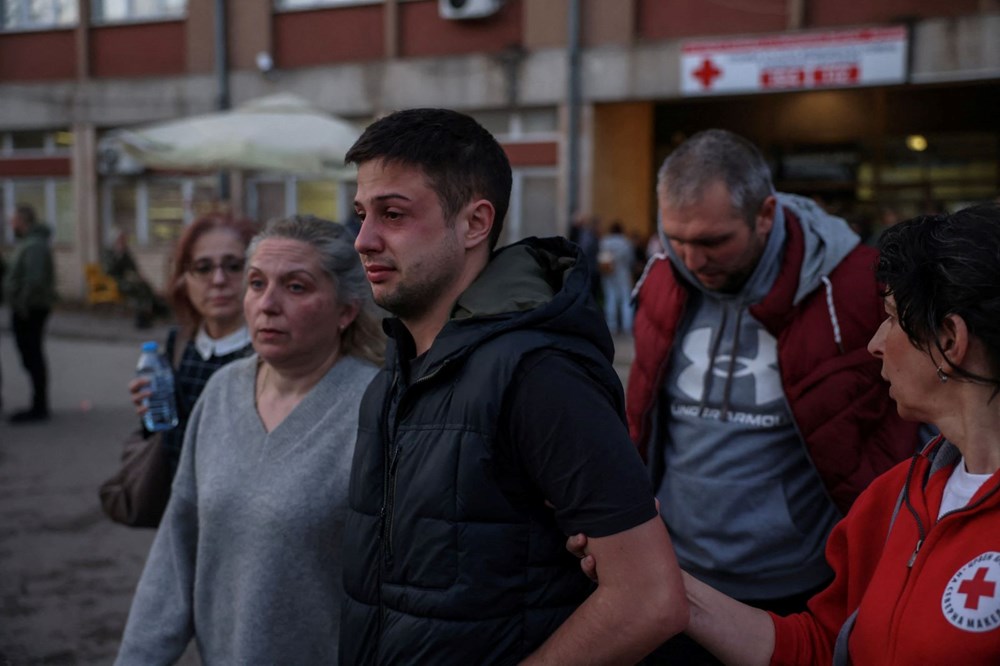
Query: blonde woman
x: 247, y: 560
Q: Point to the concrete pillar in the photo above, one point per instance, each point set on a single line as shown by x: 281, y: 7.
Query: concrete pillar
x: 83, y: 41
x: 84, y: 169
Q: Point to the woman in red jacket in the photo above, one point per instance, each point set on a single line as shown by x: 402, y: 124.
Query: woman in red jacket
x: 917, y: 558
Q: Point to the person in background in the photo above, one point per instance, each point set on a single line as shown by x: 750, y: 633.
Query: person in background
x: 206, y: 292
x: 498, y: 400
x: 917, y: 572
x: 638, y: 255
x: 247, y: 560
x: 584, y: 233
x: 615, y: 259
x: 30, y: 291
x: 751, y: 395
x: 119, y: 264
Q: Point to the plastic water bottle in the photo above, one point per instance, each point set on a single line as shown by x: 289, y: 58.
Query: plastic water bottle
x: 161, y: 409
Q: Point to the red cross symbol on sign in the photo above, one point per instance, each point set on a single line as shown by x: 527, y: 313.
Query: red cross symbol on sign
x: 977, y: 587
x: 706, y: 73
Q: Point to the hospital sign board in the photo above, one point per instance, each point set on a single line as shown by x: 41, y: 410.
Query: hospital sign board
x: 841, y: 58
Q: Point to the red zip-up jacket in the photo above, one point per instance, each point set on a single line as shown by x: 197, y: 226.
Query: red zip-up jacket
x: 928, y: 591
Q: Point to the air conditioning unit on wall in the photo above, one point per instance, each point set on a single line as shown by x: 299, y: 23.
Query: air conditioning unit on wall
x: 468, y: 9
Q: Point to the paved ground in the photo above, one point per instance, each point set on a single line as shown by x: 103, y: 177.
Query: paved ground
x: 66, y: 572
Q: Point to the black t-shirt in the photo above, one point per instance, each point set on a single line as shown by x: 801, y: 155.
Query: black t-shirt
x: 562, y: 432
x: 560, y: 442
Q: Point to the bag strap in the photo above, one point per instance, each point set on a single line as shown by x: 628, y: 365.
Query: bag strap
x: 176, y: 342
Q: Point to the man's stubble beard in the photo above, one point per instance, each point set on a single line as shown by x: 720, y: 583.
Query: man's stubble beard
x: 413, y: 300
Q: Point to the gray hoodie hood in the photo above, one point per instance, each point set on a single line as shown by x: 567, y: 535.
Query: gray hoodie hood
x: 828, y: 239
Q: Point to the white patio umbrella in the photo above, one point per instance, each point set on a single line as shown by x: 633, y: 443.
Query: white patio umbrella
x: 278, y: 133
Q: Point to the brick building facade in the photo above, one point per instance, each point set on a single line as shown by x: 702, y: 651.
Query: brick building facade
x: 74, y: 69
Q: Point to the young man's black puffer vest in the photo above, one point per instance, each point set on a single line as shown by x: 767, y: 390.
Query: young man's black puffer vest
x: 444, y: 567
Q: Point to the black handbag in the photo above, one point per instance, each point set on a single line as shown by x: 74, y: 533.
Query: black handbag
x: 137, y: 494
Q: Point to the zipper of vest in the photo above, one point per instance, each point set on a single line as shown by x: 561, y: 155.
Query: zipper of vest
x: 387, y: 508
x: 382, y: 513
x: 392, y: 455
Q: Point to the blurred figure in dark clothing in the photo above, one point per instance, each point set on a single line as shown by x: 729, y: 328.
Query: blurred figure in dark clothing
x: 584, y: 234
x: 119, y: 263
x: 29, y: 288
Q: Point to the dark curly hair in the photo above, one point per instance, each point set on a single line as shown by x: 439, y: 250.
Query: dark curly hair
x: 937, y: 265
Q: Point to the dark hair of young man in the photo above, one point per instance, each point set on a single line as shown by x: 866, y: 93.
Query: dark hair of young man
x: 460, y: 158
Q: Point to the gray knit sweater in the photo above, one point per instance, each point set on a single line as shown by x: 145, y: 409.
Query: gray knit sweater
x: 247, y: 559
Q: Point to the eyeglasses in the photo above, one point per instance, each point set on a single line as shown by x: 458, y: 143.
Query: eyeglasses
x: 204, y: 269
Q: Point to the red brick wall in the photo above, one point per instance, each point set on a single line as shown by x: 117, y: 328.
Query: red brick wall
x: 821, y: 13
x: 44, y: 55
x: 542, y: 153
x: 143, y: 49
x: 35, y: 166
x: 316, y: 37
x: 424, y: 33
x: 659, y: 19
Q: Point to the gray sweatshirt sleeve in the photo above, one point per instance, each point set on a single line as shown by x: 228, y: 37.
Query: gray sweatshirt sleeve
x: 160, y: 623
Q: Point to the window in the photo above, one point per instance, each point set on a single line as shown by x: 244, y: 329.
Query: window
x: 534, y: 209
x: 153, y: 211
x: 534, y: 124
x: 120, y: 11
x: 28, y: 141
x: 537, y: 121
x: 63, y: 218
x: 52, y: 199
x: 274, y: 197
x: 35, y: 142
x: 164, y: 211
x: 952, y: 170
x: 268, y: 200
x: 37, y: 14
x: 312, y: 4
x: 318, y: 198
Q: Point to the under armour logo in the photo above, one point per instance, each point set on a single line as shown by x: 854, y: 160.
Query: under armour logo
x: 763, y: 367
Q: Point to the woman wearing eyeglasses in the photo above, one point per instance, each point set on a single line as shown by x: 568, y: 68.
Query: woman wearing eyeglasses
x: 247, y: 560
x: 206, y: 292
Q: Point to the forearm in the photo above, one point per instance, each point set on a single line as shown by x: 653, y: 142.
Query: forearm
x: 735, y: 633
x: 610, y: 629
x: 638, y: 604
